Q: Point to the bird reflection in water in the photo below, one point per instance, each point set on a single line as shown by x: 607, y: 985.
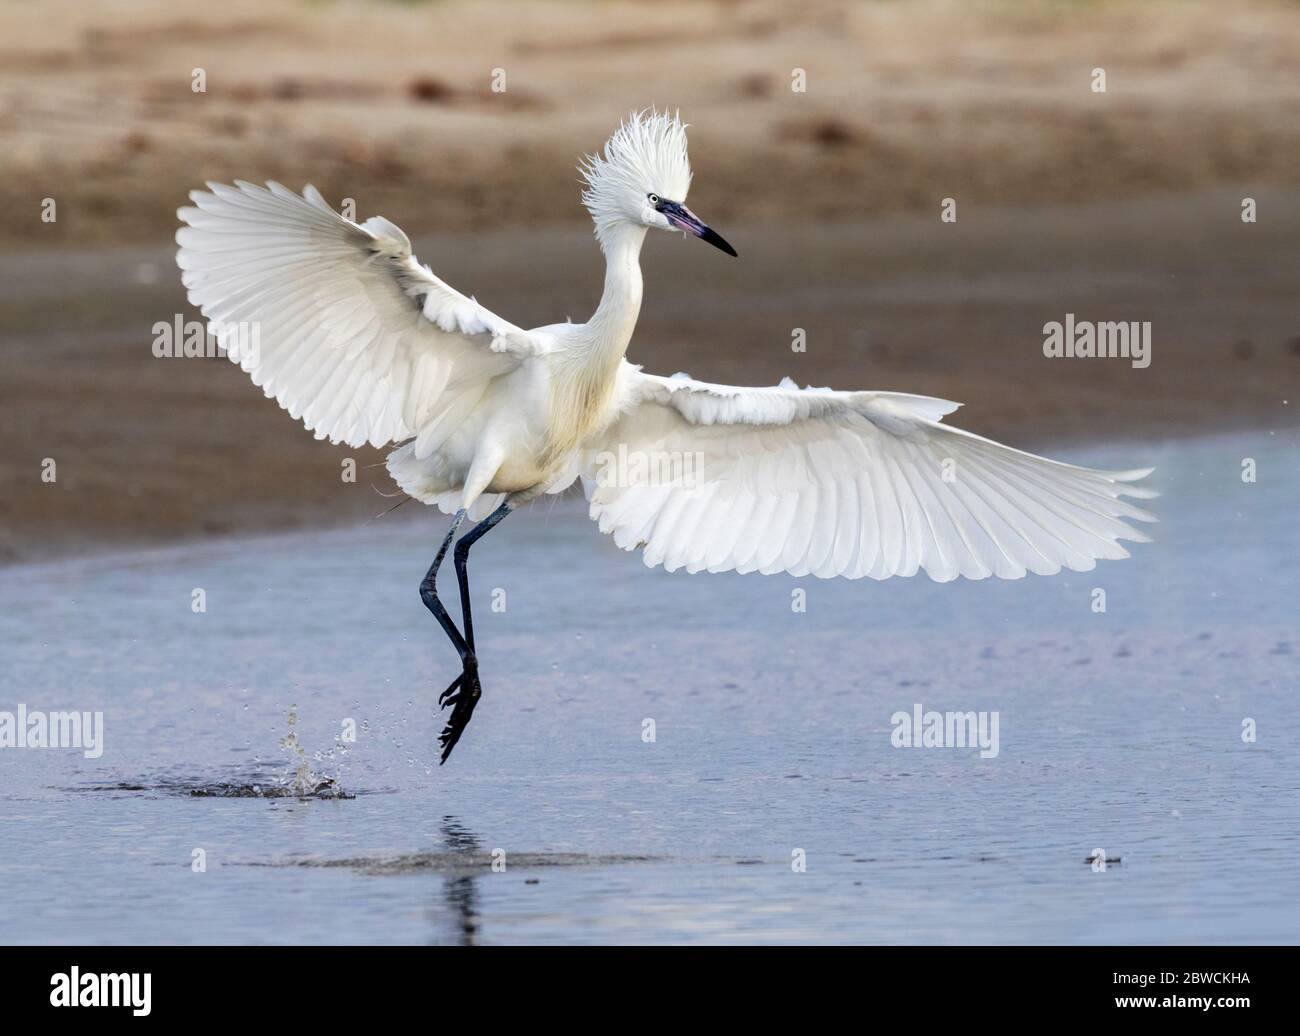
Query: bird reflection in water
x: 460, y: 895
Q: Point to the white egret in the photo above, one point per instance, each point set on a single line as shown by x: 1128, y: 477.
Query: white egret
x: 366, y: 345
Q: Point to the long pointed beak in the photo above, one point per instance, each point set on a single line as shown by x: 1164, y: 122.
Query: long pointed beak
x: 685, y: 220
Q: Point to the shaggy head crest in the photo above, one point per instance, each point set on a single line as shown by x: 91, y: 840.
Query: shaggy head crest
x: 645, y: 156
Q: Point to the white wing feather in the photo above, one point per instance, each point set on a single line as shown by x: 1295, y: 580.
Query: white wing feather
x: 841, y: 484
x: 353, y: 335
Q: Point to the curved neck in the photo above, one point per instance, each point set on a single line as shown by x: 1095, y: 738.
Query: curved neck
x: 615, y: 317
x: 587, y: 370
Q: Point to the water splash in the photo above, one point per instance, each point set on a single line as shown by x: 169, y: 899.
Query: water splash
x: 299, y: 781
x: 305, y: 784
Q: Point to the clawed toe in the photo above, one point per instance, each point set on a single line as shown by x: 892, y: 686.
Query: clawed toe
x: 467, y: 692
x: 445, y: 696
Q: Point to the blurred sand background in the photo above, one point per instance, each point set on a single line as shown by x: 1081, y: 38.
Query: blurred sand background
x: 1116, y: 206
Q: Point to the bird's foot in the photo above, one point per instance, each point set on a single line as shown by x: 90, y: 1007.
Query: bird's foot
x: 462, y: 696
x: 442, y: 698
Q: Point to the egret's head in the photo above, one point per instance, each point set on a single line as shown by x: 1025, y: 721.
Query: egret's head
x: 641, y: 179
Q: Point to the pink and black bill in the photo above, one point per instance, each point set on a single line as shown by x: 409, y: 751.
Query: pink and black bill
x: 684, y: 219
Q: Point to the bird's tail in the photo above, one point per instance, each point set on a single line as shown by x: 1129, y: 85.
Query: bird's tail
x: 424, y: 479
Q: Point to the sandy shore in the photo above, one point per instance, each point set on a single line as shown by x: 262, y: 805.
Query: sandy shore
x: 149, y: 450
x: 395, y: 104
x: 1114, y: 206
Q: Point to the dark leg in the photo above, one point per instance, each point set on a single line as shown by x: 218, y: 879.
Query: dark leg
x: 429, y: 590
x: 462, y: 561
x: 465, y: 691
x: 468, y: 678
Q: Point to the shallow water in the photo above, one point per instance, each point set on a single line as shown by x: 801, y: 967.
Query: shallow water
x: 1120, y: 731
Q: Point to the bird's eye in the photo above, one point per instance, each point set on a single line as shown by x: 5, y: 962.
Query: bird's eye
x: 654, y: 199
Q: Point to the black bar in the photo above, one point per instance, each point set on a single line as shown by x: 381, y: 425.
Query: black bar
x: 341, y: 984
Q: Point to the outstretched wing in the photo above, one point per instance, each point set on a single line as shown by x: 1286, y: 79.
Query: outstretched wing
x: 840, y: 483
x: 337, y: 320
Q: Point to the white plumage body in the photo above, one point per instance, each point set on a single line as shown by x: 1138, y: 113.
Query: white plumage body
x: 364, y: 344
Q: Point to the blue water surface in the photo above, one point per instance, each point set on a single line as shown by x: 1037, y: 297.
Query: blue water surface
x: 770, y: 805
